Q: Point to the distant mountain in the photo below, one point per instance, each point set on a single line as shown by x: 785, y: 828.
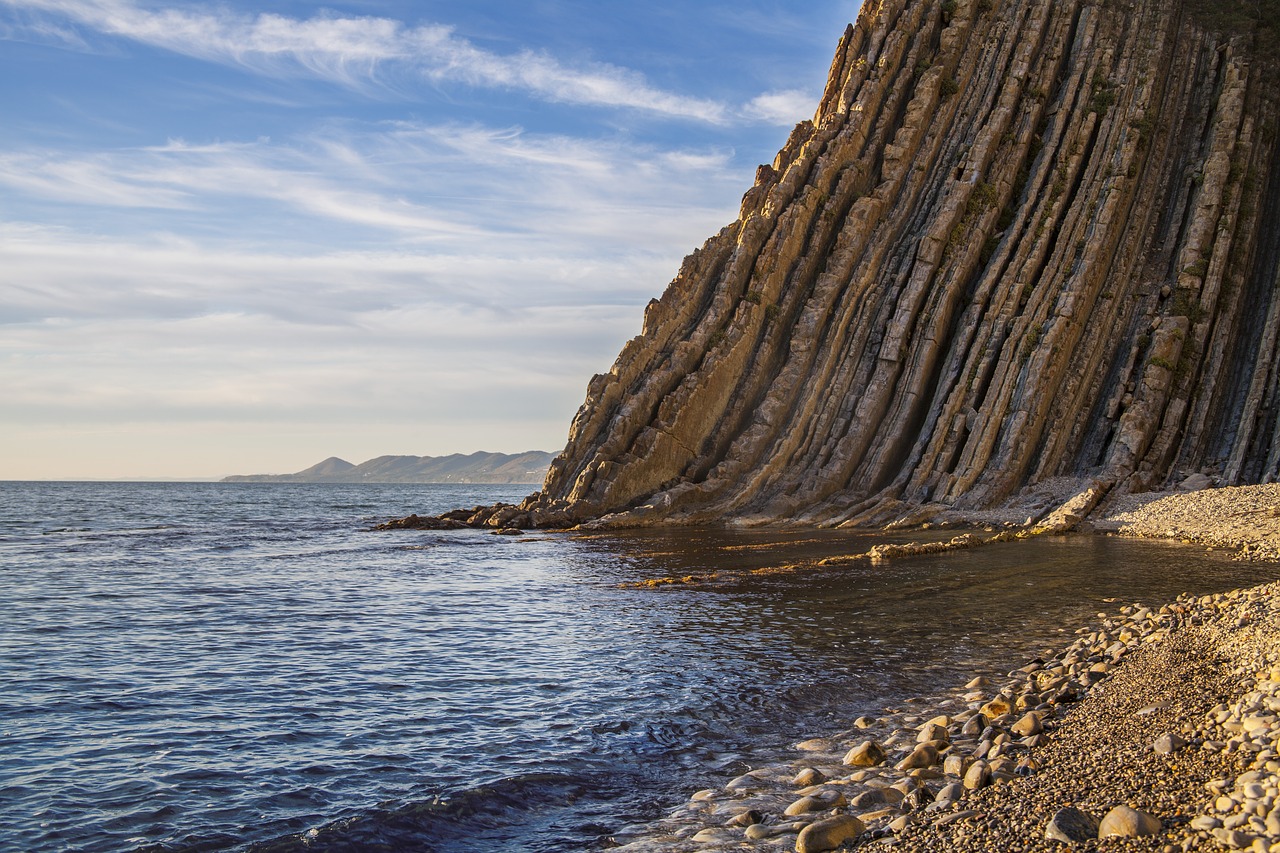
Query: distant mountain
x: 491, y: 468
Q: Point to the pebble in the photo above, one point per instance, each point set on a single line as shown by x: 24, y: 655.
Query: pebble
x: 978, y: 775
x: 924, y: 755
x: 1169, y: 742
x: 1000, y: 735
x: 869, y: 798
x: 932, y: 731
x: 807, y: 777
x: 866, y: 754
x: 956, y: 817
x: 1028, y: 725
x: 713, y: 835
x: 1128, y: 822
x: 812, y: 803
x: 1071, y: 826
x: 951, y: 793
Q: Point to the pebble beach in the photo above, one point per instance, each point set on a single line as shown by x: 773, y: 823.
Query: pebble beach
x: 1157, y: 728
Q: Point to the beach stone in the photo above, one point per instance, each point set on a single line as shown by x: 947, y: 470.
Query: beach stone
x: 864, y: 722
x: 1071, y: 826
x: 1169, y: 742
x: 760, y: 831
x: 932, y: 731
x: 1234, y: 838
x: 829, y: 834
x: 978, y: 775
x: 866, y: 754
x: 924, y: 755
x: 815, y: 803
x: 750, y: 817
x: 713, y: 835
x: 951, y: 793
x: 997, y: 707
x: 869, y: 798
x: 1196, y: 482
x: 809, y: 776
x: 918, y: 798
x: 1029, y: 725
x: 745, y: 782
x: 816, y: 744
x: 892, y: 795
x: 974, y: 726
x: 1128, y: 822
x: 955, y: 765
x: 956, y: 817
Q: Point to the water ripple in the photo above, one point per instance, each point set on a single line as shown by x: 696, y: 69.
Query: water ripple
x: 236, y: 666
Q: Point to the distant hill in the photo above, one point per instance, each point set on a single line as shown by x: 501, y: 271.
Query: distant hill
x: 491, y: 468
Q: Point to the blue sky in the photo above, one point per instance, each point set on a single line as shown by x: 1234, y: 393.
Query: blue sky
x: 241, y: 237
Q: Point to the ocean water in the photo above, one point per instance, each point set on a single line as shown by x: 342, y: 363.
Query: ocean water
x: 251, y: 667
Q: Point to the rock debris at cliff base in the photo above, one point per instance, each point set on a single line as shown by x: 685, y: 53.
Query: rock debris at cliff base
x: 1245, y: 519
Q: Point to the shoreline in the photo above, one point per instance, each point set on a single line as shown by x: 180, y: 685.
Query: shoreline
x: 1170, y: 716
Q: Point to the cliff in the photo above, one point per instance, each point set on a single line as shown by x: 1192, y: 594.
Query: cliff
x: 491, y: 468
x: 1020, y: 240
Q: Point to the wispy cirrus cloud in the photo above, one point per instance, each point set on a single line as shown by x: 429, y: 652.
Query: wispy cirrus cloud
x: 353, y: 50
x: 457, y: 185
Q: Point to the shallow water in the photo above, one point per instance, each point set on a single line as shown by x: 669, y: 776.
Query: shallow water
x: 248, y: 666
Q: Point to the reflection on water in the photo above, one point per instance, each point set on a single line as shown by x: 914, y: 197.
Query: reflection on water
x: 227, y: 666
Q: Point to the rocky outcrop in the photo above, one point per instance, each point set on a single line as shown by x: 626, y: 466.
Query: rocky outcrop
x: 1020, y: 240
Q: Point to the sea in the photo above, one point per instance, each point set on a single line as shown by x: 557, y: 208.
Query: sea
x: 253, y: 667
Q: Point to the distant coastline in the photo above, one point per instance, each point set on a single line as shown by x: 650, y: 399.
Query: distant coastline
x: 529, y: 468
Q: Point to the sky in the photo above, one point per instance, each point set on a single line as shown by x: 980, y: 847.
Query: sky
x: 242, y: 237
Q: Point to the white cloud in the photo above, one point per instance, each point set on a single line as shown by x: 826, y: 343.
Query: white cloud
x: 356, y: 351
x: 464, y: 187
x: 58, y: 276
x: 85, y: 180
x: 783, y: 108
x: 353, y: 51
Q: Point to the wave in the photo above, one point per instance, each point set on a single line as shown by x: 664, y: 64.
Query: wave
x: 529, y: 812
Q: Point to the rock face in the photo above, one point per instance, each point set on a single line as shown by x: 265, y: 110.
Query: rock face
x: 1020, y: 239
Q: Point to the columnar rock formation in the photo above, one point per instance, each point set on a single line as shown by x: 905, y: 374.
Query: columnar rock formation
x: 1021, y: 239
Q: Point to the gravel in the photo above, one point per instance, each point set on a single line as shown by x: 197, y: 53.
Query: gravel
x: 1164, y: 721
x: 1243, y: 518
